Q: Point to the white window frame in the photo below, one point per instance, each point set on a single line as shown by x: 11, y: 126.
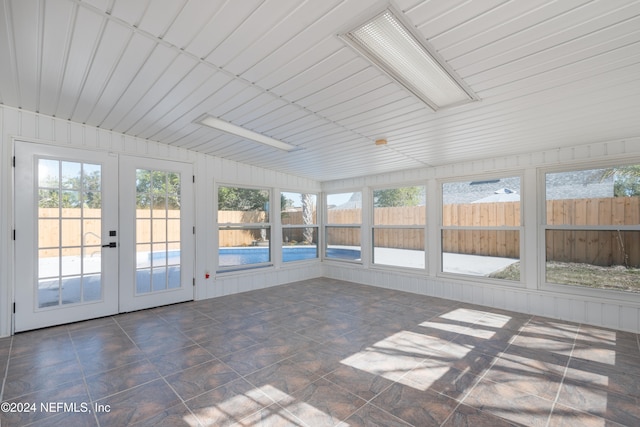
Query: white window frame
x: 315, y: 226
x: 580, y: 290
x: 422, y: 227
x: 327, y: 226
x: 243, y: 226
x: 520, y: 229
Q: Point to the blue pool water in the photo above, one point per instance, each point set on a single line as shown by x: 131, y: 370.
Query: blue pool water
x: 256, y: 255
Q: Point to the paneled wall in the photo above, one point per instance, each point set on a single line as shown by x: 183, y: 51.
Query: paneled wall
x: 28, y: 126
x: 530, y: 296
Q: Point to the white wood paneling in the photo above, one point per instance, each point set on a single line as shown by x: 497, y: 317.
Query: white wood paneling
x: 618, y: 312
x: 548, y: 74
x: 25, y: 125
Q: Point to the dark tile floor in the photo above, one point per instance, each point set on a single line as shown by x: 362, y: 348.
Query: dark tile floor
x: 321, y: 353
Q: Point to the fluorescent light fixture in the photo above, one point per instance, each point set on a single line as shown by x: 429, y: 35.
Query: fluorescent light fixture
x: 227, y: 127
x: 389, y: 44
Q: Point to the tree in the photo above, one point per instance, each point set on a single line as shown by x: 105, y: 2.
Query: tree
x: 242, y: 199
x: 307, y: 217
x: 72, y: 192
x: 157, y: 190
x: 396, y: 197
x: 626, y: 180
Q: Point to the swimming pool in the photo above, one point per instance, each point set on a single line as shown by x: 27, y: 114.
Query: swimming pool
x: 232, y: 257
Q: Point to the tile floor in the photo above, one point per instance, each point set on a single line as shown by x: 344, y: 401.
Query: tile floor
x: 322, y: 353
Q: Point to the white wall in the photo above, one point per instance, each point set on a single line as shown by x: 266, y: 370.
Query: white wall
x: 614, y: 310
x: 528, y: 298
x: 28, y: 126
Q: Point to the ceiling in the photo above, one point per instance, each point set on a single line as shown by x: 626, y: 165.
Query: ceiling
x: 548, y: 74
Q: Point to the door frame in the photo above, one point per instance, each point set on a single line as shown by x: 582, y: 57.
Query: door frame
x: 128, y: 300
x: 25, y: 254
x: 8, y: 154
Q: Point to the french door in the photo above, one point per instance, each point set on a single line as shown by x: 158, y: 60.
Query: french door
x: 156, y: 233
x: 93, y: 238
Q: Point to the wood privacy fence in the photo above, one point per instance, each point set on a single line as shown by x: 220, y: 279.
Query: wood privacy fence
x: 67, y: 228
x: 248, y: 237
x: 593, y: 247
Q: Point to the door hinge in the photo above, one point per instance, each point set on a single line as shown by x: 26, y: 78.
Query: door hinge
x: 14, y: 161
x: 194, y: 229
x: 194, y: 178
x: 14, y: 234
x: 14, y: 308
x: 194, y: 281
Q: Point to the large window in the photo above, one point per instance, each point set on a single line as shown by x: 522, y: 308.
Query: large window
x: 343, y: 224
x: 244, y: 230
x: 592, y: 228
x: 399, y: 219
x: 298, y: 216
x: 481, y: 228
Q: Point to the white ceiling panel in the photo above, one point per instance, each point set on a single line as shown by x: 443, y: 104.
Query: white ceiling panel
x: 302, y: 17
x: 28, y: 51
x: 191, y: 21
x: 137, y: 51
x: 159, y: 15
x: 113, y: 43
x: 548, y: 74
x: 59, y: 16
x: 182, y: 89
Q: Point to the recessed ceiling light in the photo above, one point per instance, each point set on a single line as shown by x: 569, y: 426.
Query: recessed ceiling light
x: 215, y: 123
x: 390, y: 45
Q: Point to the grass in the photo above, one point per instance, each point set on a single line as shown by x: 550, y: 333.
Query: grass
x: 616, y: 277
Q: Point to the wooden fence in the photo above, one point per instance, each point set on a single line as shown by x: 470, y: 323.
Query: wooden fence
x: 87, y: 231
x: 250, y: 237
x: 593, y: 247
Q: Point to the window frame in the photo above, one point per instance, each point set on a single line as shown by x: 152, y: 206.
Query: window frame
x: 315, y: 226
x: 483, y: 178
x: 423, y: 227
x: 543, y: 227
x: 326, y: 225
x: 243, y: 226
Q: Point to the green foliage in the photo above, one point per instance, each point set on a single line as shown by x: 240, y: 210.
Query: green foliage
x: 285, y: 203
x: 396, y: 197
x: 626, y: 180
x: 157, y: 190
x: 242, y: 199
x: 71, y: 192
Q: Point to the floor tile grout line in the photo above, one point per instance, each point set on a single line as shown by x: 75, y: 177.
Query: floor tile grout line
x: 84, y: 377
x: 564, y: 375
x: 485, y: 372
x: 147, y: 360
x: 6, y: 369
x: 494, y: 353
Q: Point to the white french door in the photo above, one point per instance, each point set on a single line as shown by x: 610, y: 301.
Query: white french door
x: 90, y: 236
x: 157, y: 237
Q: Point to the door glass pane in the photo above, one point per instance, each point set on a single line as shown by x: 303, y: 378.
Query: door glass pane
x: 69, y: 246
x: 157, y: 230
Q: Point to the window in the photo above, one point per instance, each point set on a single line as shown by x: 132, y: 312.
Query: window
x: 481, y: 228
x: 244, y: 230
x: 592, y: 228
x: 343, y: 223
x: 157, y: 230
x: 299, y: 226
x: 399, y: 219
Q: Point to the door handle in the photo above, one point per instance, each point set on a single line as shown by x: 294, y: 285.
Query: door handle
x: 110, y: 245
